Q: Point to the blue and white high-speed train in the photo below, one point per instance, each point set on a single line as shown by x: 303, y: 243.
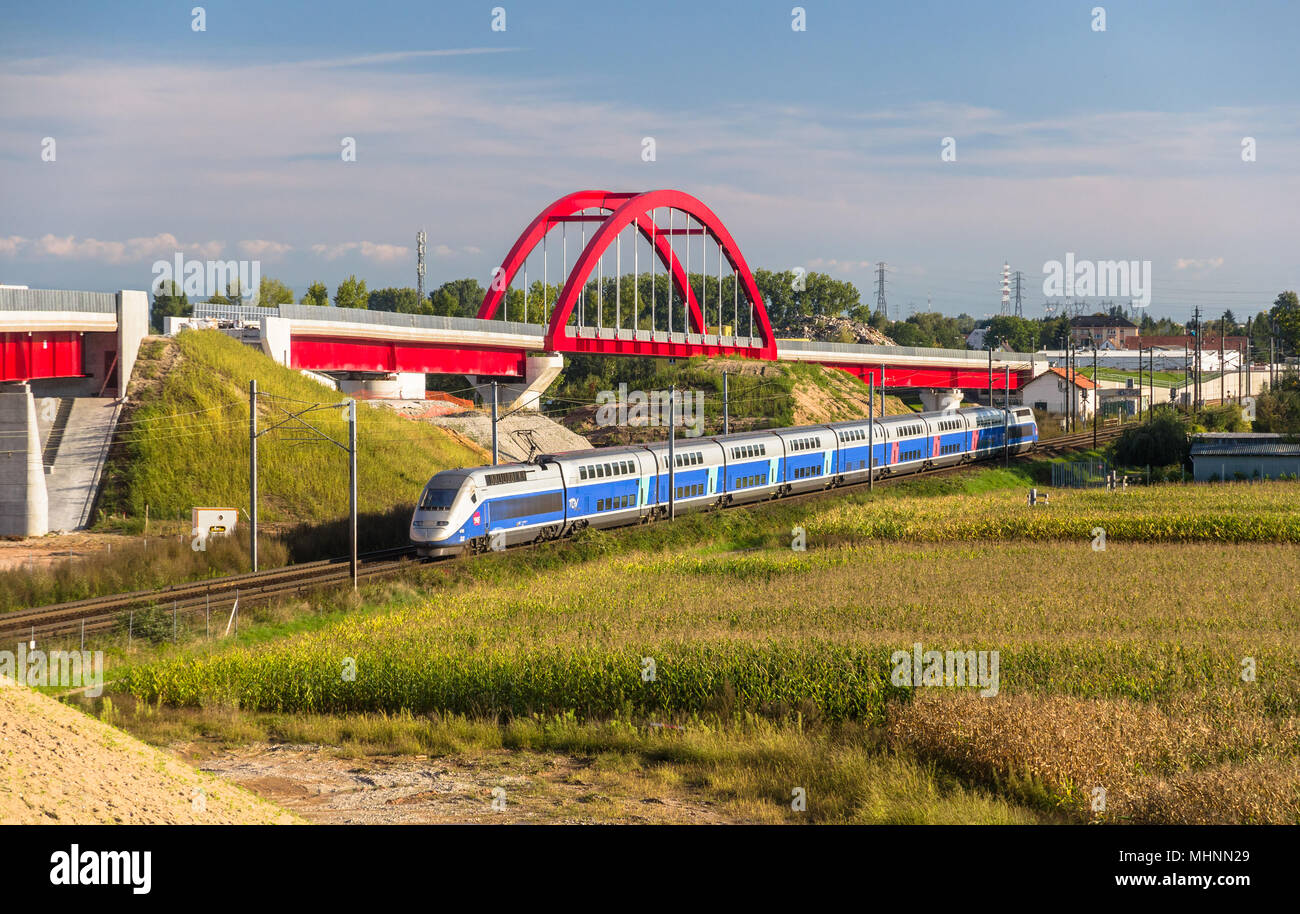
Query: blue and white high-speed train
x: 472, y: 510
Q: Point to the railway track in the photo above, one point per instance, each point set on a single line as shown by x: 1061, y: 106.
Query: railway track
x: 98, y: 614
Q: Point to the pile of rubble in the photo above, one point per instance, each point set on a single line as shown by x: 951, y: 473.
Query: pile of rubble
x: 837, y: 330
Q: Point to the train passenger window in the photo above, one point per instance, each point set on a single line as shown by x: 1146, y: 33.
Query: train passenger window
x: 582, y: 472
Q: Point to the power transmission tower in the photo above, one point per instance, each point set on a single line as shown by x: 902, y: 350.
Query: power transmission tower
x: 1019, y: 277
x: 1006, y: 288
x: 420, y: 238
x: 882, y: 308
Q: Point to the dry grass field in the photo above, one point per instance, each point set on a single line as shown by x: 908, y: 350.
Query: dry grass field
x: 1146, y: 682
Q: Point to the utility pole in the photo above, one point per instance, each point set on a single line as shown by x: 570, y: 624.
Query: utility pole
x: 881, y: 307
x: 726, y: 405
x: 1151, y: 373
x: 1006, y: 414
x: 1096, y: 393
x: 1140, y: 384
x: 990, y: 348
x: 1272, y: 356
x: 1069, y: 385
x: 871, y: 432
x: 1196, y: 364
x: 352, y: 485
x: 672, y: 452
x: 1223, y: 368
x: 1246, y: 357
x: 252, y: 471
x: 495, y: 452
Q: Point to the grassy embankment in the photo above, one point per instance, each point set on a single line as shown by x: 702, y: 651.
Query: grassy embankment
x: 183, y: 442
x: 1124, y: 669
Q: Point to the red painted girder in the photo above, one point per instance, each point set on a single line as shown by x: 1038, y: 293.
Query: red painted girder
x: 52, y: 354
x: 930, y: 376
x: 663, y: 349
x: 329, y: 353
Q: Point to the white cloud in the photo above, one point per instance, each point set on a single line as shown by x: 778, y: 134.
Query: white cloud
x: 1192, y: 263
x: 265, y: 250
x: 132, y: 250
x: 381, y: 253
x: 10, y: 245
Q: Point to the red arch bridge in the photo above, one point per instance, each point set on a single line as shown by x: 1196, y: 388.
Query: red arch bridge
x: 653, y: 273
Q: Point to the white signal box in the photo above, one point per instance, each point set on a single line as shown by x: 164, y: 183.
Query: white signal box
x: 214, y: 521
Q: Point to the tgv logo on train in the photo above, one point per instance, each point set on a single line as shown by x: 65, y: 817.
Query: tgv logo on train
x: 1112, y: 278
x: 652, y: 409
x: 208, y: 277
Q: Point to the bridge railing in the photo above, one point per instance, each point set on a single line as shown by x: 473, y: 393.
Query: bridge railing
x: 246, y: 313
x: 57, y: 300
x: 885, y: 352
x: 396, y: 319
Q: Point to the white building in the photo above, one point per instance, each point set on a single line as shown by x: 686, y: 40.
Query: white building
x: 1052, y: 391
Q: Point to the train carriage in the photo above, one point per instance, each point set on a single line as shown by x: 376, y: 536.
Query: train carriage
x: 752, y: 462
x: 558, y: 494
x: 809, y: 458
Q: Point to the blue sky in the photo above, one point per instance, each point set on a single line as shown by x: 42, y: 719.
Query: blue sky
x: 818, y: 149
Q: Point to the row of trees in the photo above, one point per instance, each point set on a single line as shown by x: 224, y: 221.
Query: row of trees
x: 1283, y: 318
x: 790, y: 299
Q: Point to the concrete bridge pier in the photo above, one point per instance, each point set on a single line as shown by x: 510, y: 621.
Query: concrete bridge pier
x: 24, y: 501
x: 398, y: 385
x: 935, y: 399
x: 540, y: 371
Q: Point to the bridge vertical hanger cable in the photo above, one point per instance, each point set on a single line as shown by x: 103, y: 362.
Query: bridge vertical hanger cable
x: 582, y: 302
x: 686, y: 316
x: 618, y: 282
x: 526, y: 288
x: 720, y: 293
x: 654, y: 246
x: 544, y: 292
x: 636, y: 276
x: 672, y: 259
x: 600, y: 296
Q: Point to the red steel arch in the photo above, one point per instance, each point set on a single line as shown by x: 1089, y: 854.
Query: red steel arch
x: 632, y: 209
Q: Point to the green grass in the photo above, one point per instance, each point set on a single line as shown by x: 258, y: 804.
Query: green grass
x: 187, y: 444
x: 1162, y: 378
x: 1121, y: 667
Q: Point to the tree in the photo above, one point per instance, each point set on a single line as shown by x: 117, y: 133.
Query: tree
x: 1261, y: 329
x: 1277, y: 409
x: 271, y: 293
x: 351, y: 293
x: 1017, y: 333
x: 1286, y: 313
x: 316, y: 294
x: 169, y: 300
x: 232, y: 296
x: 1158, y: 442
x: 402, y: 301
x: 458, y: 298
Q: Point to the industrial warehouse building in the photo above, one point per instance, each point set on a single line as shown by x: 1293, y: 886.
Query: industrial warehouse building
x: 1243, y: 455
